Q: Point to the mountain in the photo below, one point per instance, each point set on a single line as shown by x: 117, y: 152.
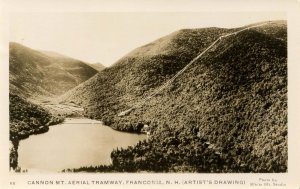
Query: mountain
x: 34, y: 74
x: 98, y: 66
x: 226, y: 113
x: 137, y: 74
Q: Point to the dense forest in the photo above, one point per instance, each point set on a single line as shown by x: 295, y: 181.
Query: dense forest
x: 226, y: 113
x: 26, y: 119
x: 185, y: 152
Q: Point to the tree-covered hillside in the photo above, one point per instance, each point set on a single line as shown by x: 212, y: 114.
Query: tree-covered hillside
x: 27, y: 118
x: 226, y: 113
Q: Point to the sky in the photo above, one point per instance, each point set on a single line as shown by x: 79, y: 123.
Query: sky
x: 106, y: 37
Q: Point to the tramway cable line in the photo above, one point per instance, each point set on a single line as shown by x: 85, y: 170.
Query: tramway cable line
x: 143, y: 100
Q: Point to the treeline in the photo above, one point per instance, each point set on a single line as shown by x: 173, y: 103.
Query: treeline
x: 26, y: 119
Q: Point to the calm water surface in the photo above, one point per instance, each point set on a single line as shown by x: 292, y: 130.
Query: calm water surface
x: 72, y: 144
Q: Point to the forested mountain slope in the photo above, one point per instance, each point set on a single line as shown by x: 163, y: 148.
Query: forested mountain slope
x: 226, y: 113
x: 139, y: 73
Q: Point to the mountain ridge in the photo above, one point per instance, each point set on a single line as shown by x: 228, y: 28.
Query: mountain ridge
x: 97, y: 66
x: 36, y: 73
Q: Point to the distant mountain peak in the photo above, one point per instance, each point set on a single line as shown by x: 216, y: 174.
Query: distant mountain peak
x: 97, y: 66
x: 36, y: 73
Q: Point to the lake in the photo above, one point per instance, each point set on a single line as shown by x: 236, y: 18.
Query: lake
x: 73, y: 144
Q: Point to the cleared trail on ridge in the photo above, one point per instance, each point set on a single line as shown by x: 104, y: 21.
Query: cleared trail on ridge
x: 143, y: 100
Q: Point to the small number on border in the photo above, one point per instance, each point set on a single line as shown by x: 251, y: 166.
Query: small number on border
x: 12, y: 183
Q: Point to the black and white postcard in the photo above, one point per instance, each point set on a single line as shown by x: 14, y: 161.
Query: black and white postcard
x: 131, y: 94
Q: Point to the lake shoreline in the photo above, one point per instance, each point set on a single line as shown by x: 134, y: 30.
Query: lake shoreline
x: 15, y: 141
x: 94, y: 139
